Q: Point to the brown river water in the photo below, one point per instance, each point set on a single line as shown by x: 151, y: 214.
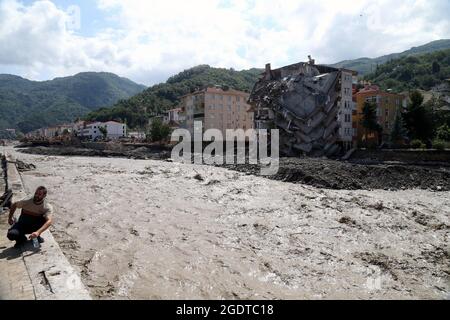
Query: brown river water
x: 143, y: 229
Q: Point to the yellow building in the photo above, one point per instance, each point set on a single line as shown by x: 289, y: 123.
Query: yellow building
x: 387, y: 105
x: 218, y: 109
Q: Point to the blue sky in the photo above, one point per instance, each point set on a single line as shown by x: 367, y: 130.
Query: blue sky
x: 148, y: 41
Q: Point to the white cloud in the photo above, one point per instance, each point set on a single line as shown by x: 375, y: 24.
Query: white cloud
x: 155, y: 39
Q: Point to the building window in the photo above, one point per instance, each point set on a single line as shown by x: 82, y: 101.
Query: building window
x: 387, y: 112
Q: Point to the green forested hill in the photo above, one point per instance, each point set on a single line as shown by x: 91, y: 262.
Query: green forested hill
x: 368, y: 65
x: 413, y: 72
x: 27, y: 105
x: 139, y: 108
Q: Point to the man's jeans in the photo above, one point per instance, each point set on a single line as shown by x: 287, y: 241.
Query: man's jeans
x: 26, y: 225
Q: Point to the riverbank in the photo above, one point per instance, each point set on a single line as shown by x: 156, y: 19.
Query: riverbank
x: 158, y: 230
x: 29, y: 273
x: 358, y: 174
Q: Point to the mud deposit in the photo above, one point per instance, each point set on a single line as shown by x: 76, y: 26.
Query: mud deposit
x: 157, y: 230
x: 320, y: 173
x: 332, y: 174
x: 133, y: 153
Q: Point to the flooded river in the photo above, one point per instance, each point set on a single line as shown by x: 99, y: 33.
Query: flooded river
x: 139, y: 229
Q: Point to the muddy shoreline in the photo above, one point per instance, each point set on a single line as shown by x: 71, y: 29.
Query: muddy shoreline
x: 317, y: 172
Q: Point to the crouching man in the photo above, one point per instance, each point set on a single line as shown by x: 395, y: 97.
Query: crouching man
x: 35, y: 218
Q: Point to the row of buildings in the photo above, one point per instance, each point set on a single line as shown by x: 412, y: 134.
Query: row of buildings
x: 222, y: 108
x: 230, y: 109
x: 83, y: 129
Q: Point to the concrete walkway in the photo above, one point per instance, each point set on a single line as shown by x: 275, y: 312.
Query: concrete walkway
x: 34, y: 274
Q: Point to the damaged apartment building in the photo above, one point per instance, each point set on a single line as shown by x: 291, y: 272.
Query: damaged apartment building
x: 311, y: 104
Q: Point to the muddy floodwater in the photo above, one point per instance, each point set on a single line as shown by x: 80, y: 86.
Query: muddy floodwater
x: 143, y: 229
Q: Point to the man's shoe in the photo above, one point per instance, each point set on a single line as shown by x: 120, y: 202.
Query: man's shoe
x: 20, y: 242
x: 40, y: 239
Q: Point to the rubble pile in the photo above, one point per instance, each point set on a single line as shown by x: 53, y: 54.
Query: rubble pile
x: 22, y: 166
x: 302, y: 101
x: 338, y: 175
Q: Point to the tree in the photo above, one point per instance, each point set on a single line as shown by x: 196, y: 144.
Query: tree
x: 443, y: 133
x: 103, y: 131
x: 418, y: 119
x: 436, y: 67
x: 369, y: 119
x: 399, y: 132
x: 159, y: 130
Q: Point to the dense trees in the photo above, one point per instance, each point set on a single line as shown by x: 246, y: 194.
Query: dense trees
x: 413, y: 72
x: 365, y: 66
x: 103, y: 131
x: 443, y: 133
x: 399, y: 132
x: 158, y: 130
x: 369, y: 120
x: 419, y: 119
x: 28, y: 105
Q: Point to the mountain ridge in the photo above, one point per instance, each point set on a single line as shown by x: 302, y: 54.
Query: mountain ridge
x: 26, y: 104
x: 160, y: 97
x: 365, y: 65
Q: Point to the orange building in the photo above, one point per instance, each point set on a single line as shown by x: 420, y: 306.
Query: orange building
x: 387, y: 105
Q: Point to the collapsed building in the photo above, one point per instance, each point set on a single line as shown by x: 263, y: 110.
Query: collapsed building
x: 311, y: 104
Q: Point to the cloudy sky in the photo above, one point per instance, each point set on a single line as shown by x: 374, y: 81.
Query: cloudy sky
x: 148, y: 41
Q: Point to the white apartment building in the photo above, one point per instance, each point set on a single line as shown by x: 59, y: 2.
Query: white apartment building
x: 115, y: 130
x: 346, y: 108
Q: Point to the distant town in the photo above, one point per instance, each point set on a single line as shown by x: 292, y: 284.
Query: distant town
x: 221, y: 107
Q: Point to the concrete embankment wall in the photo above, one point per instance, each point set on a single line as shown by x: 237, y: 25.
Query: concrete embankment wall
x: 34, y: 274
x: 406, y: 156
